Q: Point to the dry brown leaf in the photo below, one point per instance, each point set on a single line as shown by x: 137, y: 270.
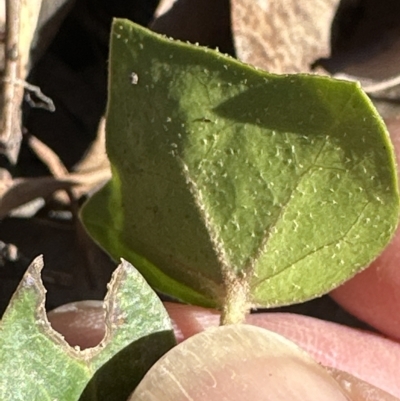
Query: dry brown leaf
x: 17, y: 192
x: 90, y: 174
x: 206, y: 22
x: 52, y: 14
x: 54, y: 164
x: 365, y: 39
x: 366, y: 48
x: 94, y: 170
x: 20, y: 191
x: 48, y: 157
x: 282, y: 36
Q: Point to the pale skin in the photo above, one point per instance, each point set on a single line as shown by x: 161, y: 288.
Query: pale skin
x: 373, y: 295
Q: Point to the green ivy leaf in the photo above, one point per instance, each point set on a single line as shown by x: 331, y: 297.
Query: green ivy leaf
x: 37, y: 364
x: 230, y: 183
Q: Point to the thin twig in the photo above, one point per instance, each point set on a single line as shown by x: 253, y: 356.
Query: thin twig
x: 13, y: 8
x: 48, y: 157
x: 55, y: 166
x: 49, y: 104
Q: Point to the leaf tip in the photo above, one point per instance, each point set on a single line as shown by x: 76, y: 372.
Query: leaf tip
x: 32, y: 277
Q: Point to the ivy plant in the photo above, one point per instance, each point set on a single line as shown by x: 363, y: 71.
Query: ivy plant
x: 236, y: 188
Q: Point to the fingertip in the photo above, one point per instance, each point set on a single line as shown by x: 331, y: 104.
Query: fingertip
x: 359, y: 390
x: 81, y: 323
x: 188, y: 320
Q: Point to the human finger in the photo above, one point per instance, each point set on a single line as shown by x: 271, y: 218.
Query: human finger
x: 374, y: 294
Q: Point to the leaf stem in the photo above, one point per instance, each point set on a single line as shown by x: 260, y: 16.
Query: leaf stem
x: 236, y: 304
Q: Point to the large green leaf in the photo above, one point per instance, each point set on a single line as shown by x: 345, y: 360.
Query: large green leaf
x: 37, y: 364
x: 232, y: 183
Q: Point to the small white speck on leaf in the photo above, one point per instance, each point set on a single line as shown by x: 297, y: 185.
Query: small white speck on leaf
x: 134, y: 78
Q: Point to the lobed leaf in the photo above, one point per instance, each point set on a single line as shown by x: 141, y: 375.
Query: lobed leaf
x: 37, y: 364
x: 230, y: 182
